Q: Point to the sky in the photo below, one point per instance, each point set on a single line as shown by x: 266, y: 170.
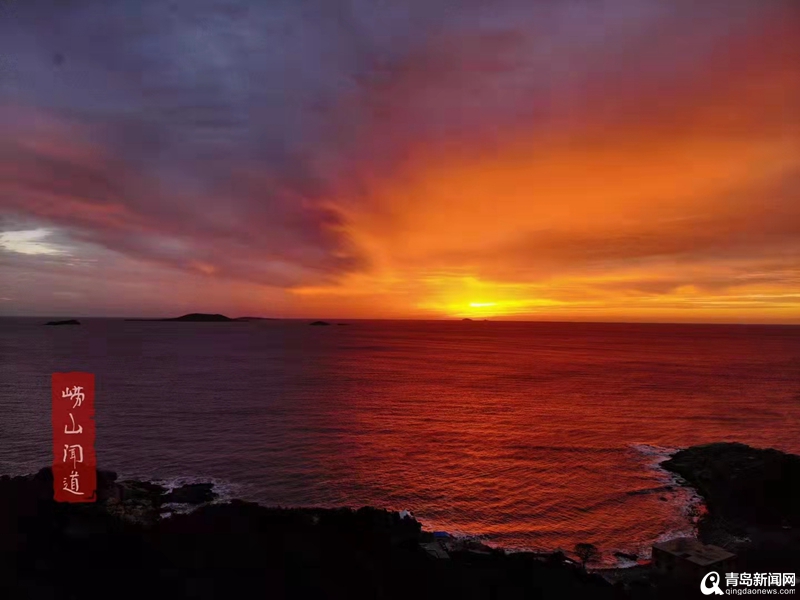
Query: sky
x: 626, y: 160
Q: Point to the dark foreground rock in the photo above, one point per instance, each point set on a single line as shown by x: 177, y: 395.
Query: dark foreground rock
x: 65, y: 322
x: 191, y: 493
x: 626, y: 556
x: 747, y: 486
x: 120, y: 546
x: 752, y: 497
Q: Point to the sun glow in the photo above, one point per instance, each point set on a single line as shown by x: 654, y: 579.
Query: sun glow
x: 455, y: 297
x: 506, y: 308
x: 627, y: 219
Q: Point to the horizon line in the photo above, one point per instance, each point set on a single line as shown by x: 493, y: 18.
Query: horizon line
x: 498, y: 319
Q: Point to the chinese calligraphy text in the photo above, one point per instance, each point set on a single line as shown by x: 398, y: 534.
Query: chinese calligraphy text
x: 74, y: 461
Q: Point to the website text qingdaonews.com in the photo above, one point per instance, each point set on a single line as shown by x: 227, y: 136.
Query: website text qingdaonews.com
x: 758, y: 591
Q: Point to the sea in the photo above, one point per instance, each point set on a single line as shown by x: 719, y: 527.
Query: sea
x: 525, y: 435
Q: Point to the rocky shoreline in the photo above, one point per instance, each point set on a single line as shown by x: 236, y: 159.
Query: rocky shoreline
x: 240, y: 549
x: 752, y: 499
x: 750, y: 504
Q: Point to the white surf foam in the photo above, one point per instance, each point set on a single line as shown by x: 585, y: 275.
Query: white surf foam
x: 225, y: 490
x: 682, y: 498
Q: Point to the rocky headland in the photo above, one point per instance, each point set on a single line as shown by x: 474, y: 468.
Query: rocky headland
x: 752, y: 500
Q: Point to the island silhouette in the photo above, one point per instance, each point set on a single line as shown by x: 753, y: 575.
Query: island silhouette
x: 207, y: 318
x: 65, y: 322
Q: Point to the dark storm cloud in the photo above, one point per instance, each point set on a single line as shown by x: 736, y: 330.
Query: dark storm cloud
x: 132, y: 122
x: 207, y: 122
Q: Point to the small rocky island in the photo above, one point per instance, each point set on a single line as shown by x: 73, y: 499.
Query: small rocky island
x: 196, y: 318
x: 319, y: 323
x: 201, y: 318
x: 208, y: 318
x: 65, y: 322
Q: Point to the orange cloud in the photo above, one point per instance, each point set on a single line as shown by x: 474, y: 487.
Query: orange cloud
x: 686, y: 188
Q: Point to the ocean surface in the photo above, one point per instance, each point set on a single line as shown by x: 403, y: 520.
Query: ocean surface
x: 530, y: 435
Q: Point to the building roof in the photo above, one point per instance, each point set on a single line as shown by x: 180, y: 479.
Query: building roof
x: 435, y: 550
x: 694, y: 551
